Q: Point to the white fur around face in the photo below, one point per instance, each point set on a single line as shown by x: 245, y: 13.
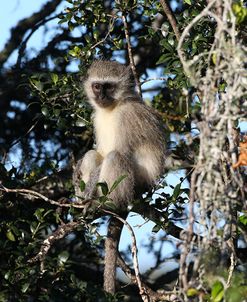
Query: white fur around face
x: 106, y: 127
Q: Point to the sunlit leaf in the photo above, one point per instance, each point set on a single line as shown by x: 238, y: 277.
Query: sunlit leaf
x: 187, y: 1
x: 63, y: 257
x: 217, y: 292
x: 10, y: 235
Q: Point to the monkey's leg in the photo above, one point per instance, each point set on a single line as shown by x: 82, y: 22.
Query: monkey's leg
x: 115, y: 165
x: 88, y: 170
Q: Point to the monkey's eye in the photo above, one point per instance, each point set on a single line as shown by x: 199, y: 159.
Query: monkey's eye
x: 109, y: 87
x: 96, y: 86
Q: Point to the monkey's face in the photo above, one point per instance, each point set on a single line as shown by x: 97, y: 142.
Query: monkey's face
x: 109, y: 83
x: 104, y: 93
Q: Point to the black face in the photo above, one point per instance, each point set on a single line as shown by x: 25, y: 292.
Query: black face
x: 104, y: 93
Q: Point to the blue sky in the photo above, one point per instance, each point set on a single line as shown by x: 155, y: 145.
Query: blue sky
x: 14, y: 10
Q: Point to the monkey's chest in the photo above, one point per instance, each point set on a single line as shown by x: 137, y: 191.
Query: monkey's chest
x: 106, y: 129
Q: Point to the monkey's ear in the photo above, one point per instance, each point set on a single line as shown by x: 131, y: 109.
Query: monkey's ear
x: 83, y: 78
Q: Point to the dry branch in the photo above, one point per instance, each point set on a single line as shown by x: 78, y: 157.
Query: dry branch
x: 61, y: 232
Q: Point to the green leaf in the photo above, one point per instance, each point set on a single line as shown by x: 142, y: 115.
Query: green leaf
x: 176, y: 191
x: 104, y: 187
x: 37, y: 84
x: 56, y: 112
x: 117, y: 182
x: 156, y: 228
x: 82, y: 185
x: 10, y: 235
x: 243, y: 219
x: 217, y: 292
x: 62, y: 123
x: 164, y: 58
x: 103, y: 199
x: 214, y: 58
x: 235, y: 294
x: 187, y: 1
x: 98, y: 239
x: 7, y: 275
x: 191, y: 292
x: 62, y: 21
x: 33, y: 227
x: 25, y: 287
x: 63, y: 257
x: 71, y: 25
x: 239, y: 11
x: 54, y: 78
x: 38, y: 213
x: 169, y: 47
x: 45, y: 111
x: 110, y: 204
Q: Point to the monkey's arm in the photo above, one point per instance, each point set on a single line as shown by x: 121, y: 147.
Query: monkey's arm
x: 139, y: 125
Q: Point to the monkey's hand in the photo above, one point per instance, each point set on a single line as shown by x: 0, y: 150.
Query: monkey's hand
x: 89, y: 207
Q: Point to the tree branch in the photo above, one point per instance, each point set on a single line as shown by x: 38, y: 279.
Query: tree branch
x: 171, y: 18
x: 132, y: 63
x: 61, y: 232
x: 24, y: 42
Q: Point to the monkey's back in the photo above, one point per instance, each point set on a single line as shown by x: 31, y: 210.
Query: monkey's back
x: 141, y: 124
x: 143, y: 132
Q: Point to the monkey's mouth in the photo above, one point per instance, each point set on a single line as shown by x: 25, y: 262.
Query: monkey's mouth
x: 105, y: 102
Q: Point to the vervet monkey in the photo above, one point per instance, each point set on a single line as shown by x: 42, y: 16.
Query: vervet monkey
x: 130, y: 140
x: 130, y: 136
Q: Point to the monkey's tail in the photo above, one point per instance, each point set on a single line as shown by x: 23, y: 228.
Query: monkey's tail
x: 111, y: 253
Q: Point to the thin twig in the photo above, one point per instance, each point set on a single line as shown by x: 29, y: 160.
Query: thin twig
x: 231, y: 269
x: 153, y: 79
x: 155, y: 296
x: 30, y: 193
x: 110, y: 28
x: 183, y: 271
x: 27, y: 132
x: 171, y: 18
x: 132, y: 63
